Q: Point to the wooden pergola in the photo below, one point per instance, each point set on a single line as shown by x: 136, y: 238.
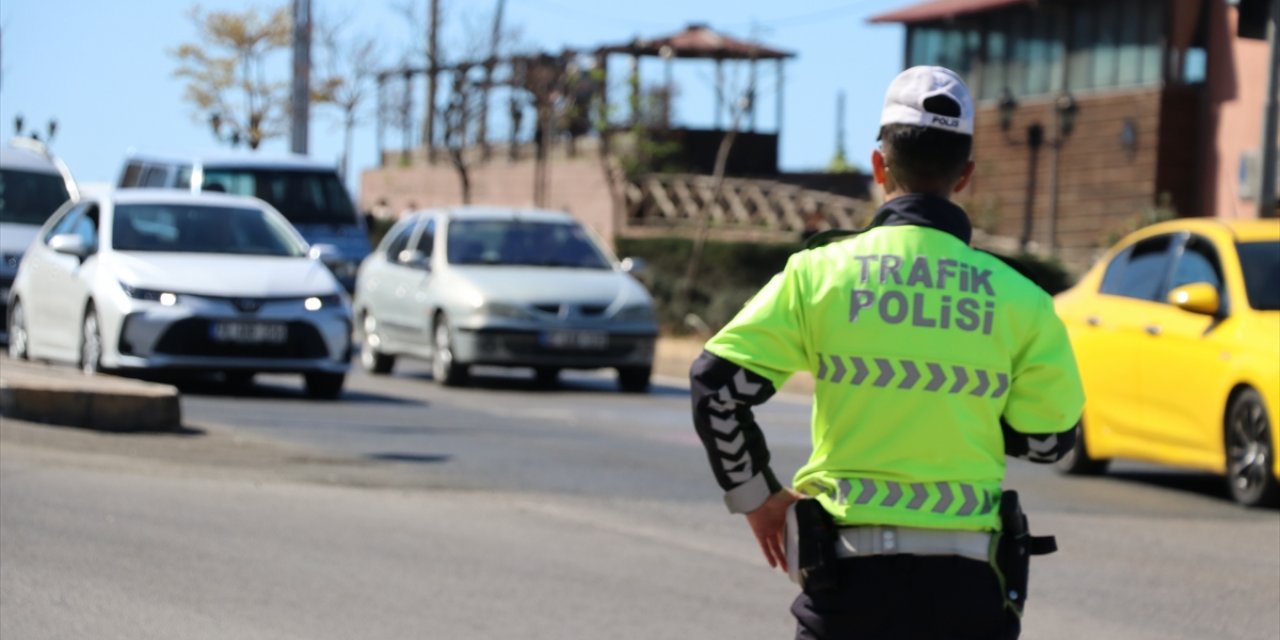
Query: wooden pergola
x: 700, y: 42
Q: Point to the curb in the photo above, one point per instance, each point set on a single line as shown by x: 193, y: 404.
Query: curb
x: 58, y: 396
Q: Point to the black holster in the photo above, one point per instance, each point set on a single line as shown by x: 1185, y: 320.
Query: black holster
x: 1012, y: 549
x: 816, y: 547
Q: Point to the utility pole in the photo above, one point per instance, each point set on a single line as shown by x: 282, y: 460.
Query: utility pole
x: 300, y: 95
x: 840, y: 126
x: 433, y: 52
x: 1267, y: 190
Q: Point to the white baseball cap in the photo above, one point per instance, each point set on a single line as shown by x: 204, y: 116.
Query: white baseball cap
x: 932, y: 97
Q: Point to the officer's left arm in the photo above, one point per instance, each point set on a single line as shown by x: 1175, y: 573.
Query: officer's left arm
x: 744, y: 365
x: 1046, y: 397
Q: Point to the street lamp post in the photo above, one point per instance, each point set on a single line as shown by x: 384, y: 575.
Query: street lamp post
x: 1065, y: 111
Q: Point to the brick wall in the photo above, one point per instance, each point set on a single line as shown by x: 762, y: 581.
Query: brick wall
x: 1101, y: 183
x: 576, y: 185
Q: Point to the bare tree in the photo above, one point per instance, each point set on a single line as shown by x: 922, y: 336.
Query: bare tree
x: 461, y: 125
x: 349, y: 67
x: 227, y: 73
x: 740, y: 103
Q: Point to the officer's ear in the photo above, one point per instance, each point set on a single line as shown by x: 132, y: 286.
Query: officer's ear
x: 878, y: 167
x: 965, y: 177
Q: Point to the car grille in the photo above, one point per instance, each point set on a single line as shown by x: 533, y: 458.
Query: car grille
x: 191, y: 337
x: 585, y: 310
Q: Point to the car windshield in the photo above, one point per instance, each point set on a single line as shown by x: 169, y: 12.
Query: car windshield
x: 304, y: 197
x: 522, y: 242
x: 1260, y: 262
x: 186, y: 228
x: 28, y: 197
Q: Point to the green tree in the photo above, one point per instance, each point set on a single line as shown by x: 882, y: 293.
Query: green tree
x: 227, y: 75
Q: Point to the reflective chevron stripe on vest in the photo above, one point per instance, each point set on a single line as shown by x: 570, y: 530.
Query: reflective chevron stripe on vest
x: 949, y: 498
x: 941, y: 377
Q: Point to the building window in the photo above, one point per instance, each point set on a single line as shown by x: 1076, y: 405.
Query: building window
x: 1108, y: 44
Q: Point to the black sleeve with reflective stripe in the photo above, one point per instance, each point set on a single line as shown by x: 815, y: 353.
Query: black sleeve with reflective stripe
x: 1037, y: 447
x: 723, y: 394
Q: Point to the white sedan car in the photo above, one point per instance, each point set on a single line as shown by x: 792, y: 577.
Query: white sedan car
x: 505, y: 287
x: 166, y: 280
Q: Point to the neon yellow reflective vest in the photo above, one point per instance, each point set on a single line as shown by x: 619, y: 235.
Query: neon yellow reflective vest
x: 919, y: 345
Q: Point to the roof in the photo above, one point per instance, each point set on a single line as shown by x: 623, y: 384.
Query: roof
x: 1254, y: 230
x: 25, y: 159
x: 1242, y: 229
x: 699, y: 41
x: 942, y: 10
x: 247, y: 160
x: 176, y: 196
x: 499, y: 213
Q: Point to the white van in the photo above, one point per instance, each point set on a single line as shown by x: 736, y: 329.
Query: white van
x: 33, y: 184
x: 309, y: 194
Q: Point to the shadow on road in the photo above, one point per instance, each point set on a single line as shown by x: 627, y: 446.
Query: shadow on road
x: 521, y: 381
x: 414, y: 458
x: 1204, y: 484
x: 270, y: 390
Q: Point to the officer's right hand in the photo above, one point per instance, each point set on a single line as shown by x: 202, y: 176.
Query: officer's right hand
x: 769, y: 523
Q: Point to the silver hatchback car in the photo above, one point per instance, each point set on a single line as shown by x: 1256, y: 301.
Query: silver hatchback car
x: 507, y: 287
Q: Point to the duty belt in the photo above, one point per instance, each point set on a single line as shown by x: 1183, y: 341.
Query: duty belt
x: 874, y: 540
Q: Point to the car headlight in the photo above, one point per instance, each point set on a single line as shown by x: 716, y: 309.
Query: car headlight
x: 166, y: 298
x: 503, y: 310
x: 316, y: 303
x: 636, y: 313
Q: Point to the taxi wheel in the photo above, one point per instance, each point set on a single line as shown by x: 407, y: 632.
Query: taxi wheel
x: 90, y: 344
x: 1077, y: 461
x: 371, y: 359
x: 18, y: 337
x: 445, y: 369
x: 1249, y: 452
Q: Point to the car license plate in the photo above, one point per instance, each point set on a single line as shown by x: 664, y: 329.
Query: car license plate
x: 249, y: 332
x: 576, y: 339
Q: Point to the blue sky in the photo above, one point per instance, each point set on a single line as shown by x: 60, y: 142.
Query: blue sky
x: 104, y: 71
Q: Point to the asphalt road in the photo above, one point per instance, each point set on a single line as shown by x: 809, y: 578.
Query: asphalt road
x: 508, y: 510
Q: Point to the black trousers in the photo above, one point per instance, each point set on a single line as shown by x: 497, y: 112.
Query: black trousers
x: 907, y: 597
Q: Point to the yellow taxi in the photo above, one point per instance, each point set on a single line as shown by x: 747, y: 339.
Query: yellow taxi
x: 1177, y: 334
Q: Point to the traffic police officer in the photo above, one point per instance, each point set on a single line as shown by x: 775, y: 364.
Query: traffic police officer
x: 932, y: 361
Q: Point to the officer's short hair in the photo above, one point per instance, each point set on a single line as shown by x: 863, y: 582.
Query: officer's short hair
x: 924, y: 159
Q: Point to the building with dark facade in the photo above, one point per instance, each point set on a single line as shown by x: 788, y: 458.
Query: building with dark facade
x: 1096, y: 115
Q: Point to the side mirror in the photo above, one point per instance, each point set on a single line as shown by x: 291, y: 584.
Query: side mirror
x: 634, y: 266
x: 326, y: 253
x: 1198, y: 297
x: 70, y: 244
x: 414, y: 258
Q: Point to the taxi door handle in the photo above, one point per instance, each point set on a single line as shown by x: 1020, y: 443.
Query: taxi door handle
x: 1093, y: 321
x: 1152, y: 329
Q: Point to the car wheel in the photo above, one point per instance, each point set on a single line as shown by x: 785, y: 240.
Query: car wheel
x: 371, y: 359
x: 1249, y: 452
x: 634, y: 379
x: 1077, y: 461
x: 324, y: 386
x: 90, y: 344
x: 18, y: 338
x: 444, y: 368
x: 546, y: 376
